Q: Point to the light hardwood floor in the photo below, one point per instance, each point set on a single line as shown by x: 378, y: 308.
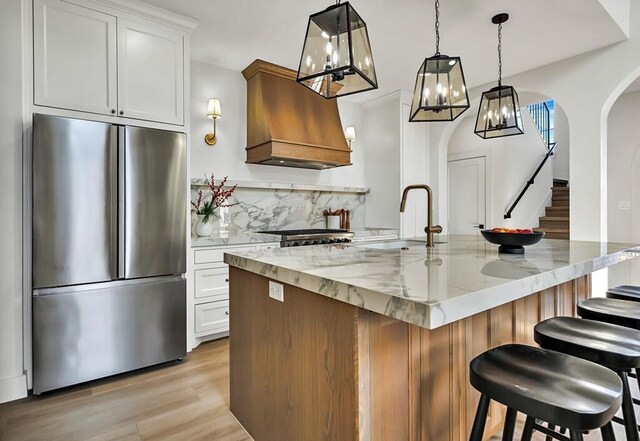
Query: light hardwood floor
x: 186, y: 401
x: 183, y: 401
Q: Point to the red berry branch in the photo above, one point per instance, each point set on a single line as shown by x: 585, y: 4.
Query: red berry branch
x: 219, y: 198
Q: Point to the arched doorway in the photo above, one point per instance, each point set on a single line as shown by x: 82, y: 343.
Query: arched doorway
x: 623, y: 178
x: 509, y: 163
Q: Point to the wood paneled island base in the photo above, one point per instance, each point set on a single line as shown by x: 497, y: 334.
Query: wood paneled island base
x: 314, y: 368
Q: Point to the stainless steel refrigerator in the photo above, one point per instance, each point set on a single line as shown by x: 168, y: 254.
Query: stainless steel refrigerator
x: 109, y: 249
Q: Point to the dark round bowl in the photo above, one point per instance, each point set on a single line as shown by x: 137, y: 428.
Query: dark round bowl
x: 512, y: 243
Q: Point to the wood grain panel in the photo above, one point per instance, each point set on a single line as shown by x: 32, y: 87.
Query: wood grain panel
x: 567, y: 299
x: 293, y: 371
x: 354, y: 374
x: 364, y: 376
x: 389, y: 360
x: 437, y: 400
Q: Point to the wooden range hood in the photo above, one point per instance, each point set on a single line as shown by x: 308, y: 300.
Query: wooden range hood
x: 289, y: 125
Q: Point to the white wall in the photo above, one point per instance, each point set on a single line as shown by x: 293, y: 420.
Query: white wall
x: 397, y: 156
x: 414, y: 151
x: 12, y: 380
x: 510, y: 163
x: 381, y: 135
x: 623, y: 165
x: 585, y: 86
x: 227, y: 157
x: 561, y: 160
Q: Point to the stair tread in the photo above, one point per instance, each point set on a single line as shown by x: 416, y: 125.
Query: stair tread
x: 555, y: 218
x: 551, y: 230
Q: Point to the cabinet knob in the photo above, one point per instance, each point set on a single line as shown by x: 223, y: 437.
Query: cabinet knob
x: 226, y: 313
x: 226, y: 280
x: 122, y: 112
x: 113, y: 111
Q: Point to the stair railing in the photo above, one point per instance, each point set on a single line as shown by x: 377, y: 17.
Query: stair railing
x: 531, y: 181
x: 541, y: 115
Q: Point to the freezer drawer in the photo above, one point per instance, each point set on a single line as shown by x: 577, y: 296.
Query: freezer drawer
x: 88, y: 332
x: 154, y: 217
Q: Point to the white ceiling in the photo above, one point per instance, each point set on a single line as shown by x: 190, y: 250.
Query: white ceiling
x: 232, y: 33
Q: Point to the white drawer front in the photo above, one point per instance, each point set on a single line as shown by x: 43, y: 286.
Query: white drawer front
x: 212, y: 283
x: 268, y: 246
x: 213, y: 255
x: 212, y: 318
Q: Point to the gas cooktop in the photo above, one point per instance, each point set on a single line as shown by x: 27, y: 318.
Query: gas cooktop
x: 312, y: 236
x: 308, y: 231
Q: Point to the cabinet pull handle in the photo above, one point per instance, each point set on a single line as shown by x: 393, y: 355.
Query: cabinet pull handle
x: 226, y: 313
x: 122, y: 112
x: 113, y: 111
x: 226, y: 280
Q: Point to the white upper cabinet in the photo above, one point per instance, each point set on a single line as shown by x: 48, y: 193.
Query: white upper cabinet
x: 150, y: 72
x: 89, y: 58
x: 74, y: 57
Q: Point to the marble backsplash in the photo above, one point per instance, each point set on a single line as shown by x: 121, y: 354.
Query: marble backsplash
x: 276, y: 209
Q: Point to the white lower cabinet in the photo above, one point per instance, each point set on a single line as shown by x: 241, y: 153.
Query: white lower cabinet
x: 212, y: 283
x: 210, y: 297
x: 212, y: 318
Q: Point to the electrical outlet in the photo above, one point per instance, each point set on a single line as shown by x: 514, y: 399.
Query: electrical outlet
x: 624, y: 205
x: 276, y: 291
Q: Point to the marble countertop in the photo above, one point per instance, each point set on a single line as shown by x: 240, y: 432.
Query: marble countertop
x: 250, y: 237
x: 431, y: 287
x: 372, y: 232
x: 219, y: 238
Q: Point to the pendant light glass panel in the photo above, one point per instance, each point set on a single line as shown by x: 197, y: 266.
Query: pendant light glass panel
x: 440, y: 93
x: 499, y: 113
x: 336, y: 58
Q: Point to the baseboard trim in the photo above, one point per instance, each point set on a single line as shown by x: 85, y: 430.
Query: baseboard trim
x: 13, y: 388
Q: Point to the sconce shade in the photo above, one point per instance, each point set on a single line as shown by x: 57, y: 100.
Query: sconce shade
x: 214, y: 110
x: 336, y: 57
x: 350, y: 133
x: 499, y: 113
x: 440, y: 93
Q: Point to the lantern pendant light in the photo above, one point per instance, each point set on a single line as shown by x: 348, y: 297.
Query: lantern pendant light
x: 499, y: 112
x: 336, y: 57
x: 440, y: 93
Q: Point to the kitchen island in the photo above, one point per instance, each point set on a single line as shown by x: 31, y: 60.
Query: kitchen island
x: 373, y: 341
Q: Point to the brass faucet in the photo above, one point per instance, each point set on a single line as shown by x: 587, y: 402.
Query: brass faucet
x: 430, y: 228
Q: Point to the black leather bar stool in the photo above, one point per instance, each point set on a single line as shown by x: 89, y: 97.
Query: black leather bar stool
x: 615, y: 311
x: 557, y: 388
x: 618, y: 312
x: 624, y: 292
x: 612, y: 346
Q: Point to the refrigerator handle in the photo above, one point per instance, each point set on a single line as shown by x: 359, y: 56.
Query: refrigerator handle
x: 121, y: 201
x: 113, y: 200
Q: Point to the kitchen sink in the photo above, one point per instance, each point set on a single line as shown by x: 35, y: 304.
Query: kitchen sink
x: 393, y: 244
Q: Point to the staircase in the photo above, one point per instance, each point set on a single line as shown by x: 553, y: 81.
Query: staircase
x: 555, y: 223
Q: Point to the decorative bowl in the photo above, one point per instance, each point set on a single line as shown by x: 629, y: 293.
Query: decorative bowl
x: 512, y: 243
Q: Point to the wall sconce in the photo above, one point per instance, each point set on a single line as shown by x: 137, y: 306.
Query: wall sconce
x: 214, y: 112
x: 350, y: 135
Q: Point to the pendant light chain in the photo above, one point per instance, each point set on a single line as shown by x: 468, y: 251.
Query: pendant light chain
x: 500, y: 54
x: 437, y: 27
